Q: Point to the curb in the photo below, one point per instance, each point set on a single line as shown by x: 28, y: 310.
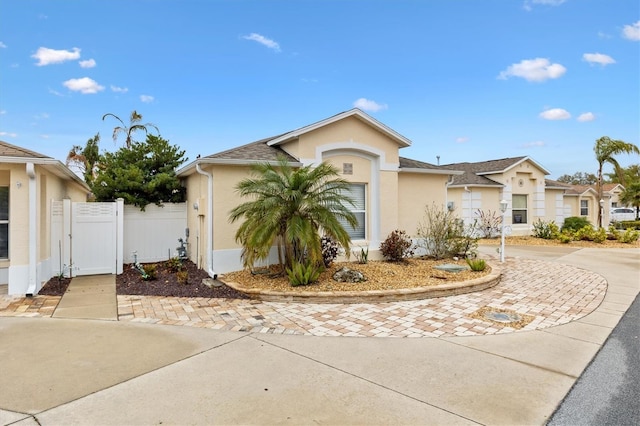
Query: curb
x: 375, y: 296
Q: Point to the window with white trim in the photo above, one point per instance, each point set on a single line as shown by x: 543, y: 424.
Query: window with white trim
x: 518, y: 209
x: 584, y: 207
x: 357, y: 193
x: 4, y: 222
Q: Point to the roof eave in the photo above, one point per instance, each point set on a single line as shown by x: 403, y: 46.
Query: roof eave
x: 430, y: 171
x: 191, y: 167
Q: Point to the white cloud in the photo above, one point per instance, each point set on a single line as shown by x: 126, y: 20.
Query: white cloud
x: 43, y: 116
x: 538, y: 70
x: 598, y: 58
x: 527, y: 3
x: 604, y: 35
x: 11, y: 135
x: 586, y: 116
x: 462, y: 139
x: 118, y: 89
x: 2, y: 45
x: 555, y: 114
x: 146, y: 99
x: 46, y: 56
x: 89, y: 63
x: 83, y: 85
x: 271, y: 44
x: 368, y: 105
x: 533, y: 144
x: 3, y: 111
x: 632, y: 32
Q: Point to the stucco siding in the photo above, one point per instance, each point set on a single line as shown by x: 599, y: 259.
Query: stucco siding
x: 415, y: 192
x: 350, y: 133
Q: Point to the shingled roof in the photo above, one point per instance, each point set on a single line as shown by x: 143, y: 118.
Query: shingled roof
x: 8, y: 150
x: 253, y: 152
x: 474, y: 172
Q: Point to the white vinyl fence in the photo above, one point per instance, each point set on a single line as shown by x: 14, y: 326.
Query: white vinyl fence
x: 153, y: 234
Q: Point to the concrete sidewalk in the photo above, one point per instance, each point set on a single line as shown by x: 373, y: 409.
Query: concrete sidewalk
x: 89, y: 297
x: 69, y: 371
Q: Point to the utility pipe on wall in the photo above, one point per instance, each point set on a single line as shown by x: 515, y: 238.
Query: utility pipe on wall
x: 209, y: 176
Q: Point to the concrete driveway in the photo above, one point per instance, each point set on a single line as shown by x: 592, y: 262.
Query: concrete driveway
x: 68, y: 371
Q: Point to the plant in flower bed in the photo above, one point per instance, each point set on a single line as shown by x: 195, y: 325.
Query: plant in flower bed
x: 397, y: 246
x: 187, y: 282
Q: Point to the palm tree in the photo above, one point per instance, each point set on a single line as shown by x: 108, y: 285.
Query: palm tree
x: 606, y: 149
x: 290, y: 207
x: 85, y: 160
x: 134, y: 126
x: 631, y: 197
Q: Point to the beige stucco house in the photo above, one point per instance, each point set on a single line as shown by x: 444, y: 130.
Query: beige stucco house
x: 392, y: 191
x: 29, y: 181
x: 520, y: 181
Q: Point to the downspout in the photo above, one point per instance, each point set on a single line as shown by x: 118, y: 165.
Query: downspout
x: 209, y: 176
x: 31, y: 173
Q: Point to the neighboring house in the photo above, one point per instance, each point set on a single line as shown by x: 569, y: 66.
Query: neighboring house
x: 520, y: 181
x: 392, y: 192
x: 29, y: 182
x: 582, y: 201
x: 614, y: 190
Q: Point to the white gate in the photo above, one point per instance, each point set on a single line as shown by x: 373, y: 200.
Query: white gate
x: 93, y: 238
x: 86, y: 238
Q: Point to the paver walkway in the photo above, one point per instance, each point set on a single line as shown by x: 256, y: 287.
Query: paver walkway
x: 550, y: 293
x: 545, y: 293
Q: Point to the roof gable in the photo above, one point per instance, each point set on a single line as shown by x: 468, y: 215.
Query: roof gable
x: 355, y: 112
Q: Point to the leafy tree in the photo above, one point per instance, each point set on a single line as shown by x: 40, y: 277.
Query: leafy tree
x: 579, y: 178
x: 631, y: 197
x: 630, y: 175
x: 142, y: 174
x: 134, y: 126
x: 288, y: 207
x: 86, y: 159
x: 606, y: 149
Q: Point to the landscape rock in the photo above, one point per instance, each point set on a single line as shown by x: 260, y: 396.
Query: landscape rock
x: 346, y: 275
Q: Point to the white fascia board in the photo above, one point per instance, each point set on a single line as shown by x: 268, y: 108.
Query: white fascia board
x: 401, y: 140
x: 430, y: 171
x: 498, y: 185
x: 54, y: 165
x: 191, y: 167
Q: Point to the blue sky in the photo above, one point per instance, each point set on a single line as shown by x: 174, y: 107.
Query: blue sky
x: 466, y: 80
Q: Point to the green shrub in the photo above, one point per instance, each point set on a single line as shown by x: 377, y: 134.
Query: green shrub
x: 301, y: 274
x: 629, y: 236
x: 586, y: 233
x: 575, y: 223
x: 183, y: 277
x: 565, y: 238
x: 613, y: 233
x: 150, y: 272
x: 397, y: 246
x: 546, y: 230
x: 599, y: 236
x: 477, y: 265
x: 175, y: 264
x: 626, y: 224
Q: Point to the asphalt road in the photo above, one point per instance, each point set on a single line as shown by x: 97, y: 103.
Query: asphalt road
x: 608, y: 392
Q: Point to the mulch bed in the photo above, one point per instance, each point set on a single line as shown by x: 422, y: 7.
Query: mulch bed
x: 166, y: 284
